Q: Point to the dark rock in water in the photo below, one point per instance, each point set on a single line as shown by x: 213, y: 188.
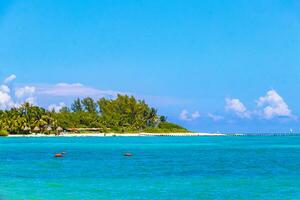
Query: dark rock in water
x: 128, y: 154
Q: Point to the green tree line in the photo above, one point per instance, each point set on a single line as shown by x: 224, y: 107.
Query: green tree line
x: 120, y: 115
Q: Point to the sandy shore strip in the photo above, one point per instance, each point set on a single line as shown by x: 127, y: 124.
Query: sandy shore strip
x: 122, y: 135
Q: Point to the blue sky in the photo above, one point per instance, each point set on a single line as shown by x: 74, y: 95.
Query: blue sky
x: 208, y: 65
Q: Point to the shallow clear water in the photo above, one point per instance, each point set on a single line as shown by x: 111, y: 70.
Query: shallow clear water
x: 161, y: 168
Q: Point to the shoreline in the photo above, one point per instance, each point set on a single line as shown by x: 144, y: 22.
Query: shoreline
x: 123, y: 135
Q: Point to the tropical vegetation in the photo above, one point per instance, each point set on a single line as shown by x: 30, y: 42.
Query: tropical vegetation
x: 125, y: 114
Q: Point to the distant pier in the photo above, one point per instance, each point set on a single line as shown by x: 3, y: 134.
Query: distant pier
x: 263, y: 134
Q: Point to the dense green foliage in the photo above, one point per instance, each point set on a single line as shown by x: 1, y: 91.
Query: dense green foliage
x: 127, y: 114
x: 3, y: 133
x: 166, y: 127
x: 25, y: 119
x: 123, y: 114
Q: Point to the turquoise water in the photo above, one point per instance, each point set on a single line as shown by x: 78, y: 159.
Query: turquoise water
x: 161, y: 168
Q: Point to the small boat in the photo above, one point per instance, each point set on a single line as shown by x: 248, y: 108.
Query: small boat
x: 58, y: 155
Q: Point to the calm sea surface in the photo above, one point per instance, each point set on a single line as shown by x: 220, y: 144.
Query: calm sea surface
x: 161, y: 168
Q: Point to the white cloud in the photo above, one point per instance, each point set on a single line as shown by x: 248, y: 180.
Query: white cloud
x: 31, y: 100
x: 23, y: 94
x: 215, y: 117
x: 74, y: 90
x: 4, y: 88
x: 24, y: 91
x: 237, y: 107
x: 270, y: 106
x: 56, y: 107
x: 69, y: 85
x: 273, y: 105
x: 10, y: 79
x: 195, y: 115
x: 186, y: 116
x: 5, y: 100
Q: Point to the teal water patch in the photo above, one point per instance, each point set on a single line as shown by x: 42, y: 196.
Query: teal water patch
x: 160, y: 168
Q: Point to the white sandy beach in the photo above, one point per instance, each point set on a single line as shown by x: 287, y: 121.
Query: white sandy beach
x: 122, y: 135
